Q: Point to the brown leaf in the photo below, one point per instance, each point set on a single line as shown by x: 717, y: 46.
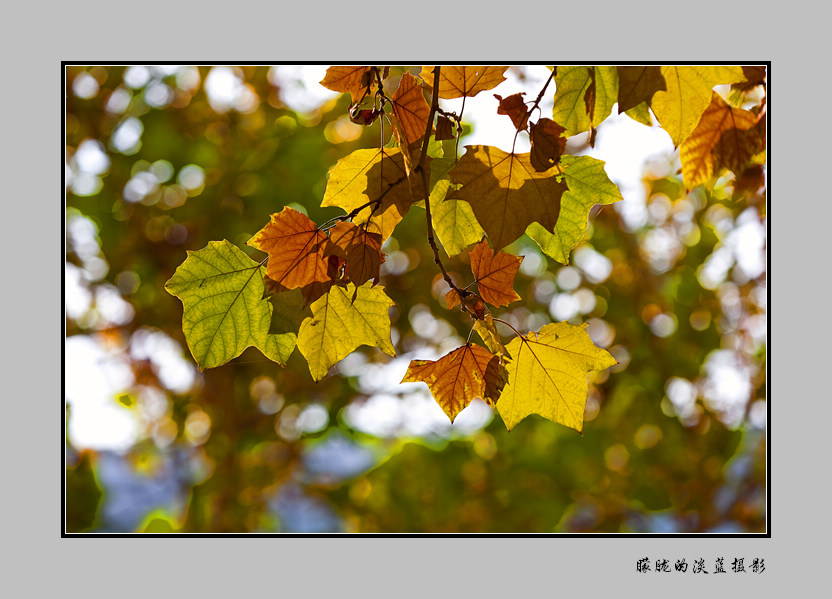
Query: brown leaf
x: 471, y: 302
x: 547, y: 144
x: 506, y: 193
x: 515, y: 108
x: 296, y: 249
x: 361, y: 250
x: 721, y: 139
x: 461, y: 81
x: 411, y: 109
x: 495, y: 274
x: 638, y: 84
x: 459, y: 377
x: 754, y: 75
x: 348, y: 79
x: 445, y: 128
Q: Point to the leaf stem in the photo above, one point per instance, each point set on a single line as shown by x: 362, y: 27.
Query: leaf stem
x: 434, y: 106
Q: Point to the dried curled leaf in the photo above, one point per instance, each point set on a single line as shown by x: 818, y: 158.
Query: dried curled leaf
x: 515, y: 108
x: 547, y: 144
x: 457, y: 378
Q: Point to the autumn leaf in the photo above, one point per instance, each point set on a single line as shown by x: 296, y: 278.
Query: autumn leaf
x: 640, y: 114
x: 472, y: 302
x: 588, y: 185
x: 372, y: 175
x: 342, y: 320
x: 548, y: 375
x: 506, y: 192
x: 453, y: 220
x: 411, y: 109
x: 289, y: 309
x: 458, y: 378
x: 547, y: 144
x: 637, y: 85
x: 224, y: 308
x: 295, y: 247
x: 687, y: 95
x: 445, y: 128
x: 495, y: 274
x: 605, y: 84
x: 515, y: 108
x: 461, y: 81
x: 348, y: 79
x: 488, y: 333
x: 722, y: 131
x: 360, y: 249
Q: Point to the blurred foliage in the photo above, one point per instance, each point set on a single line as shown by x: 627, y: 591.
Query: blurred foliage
x: 665, y: 447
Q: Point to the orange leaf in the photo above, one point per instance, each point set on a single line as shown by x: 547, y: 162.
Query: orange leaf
x: 411, y: 109
x: 352, y: 80
x: 720, y: 139
x: 361, y: 250
x: 515, y: 108
x: 461, y: 81
x: 547, y: 144
x: 459, y: 377
x: 296, y: 250
x: 495, y: 274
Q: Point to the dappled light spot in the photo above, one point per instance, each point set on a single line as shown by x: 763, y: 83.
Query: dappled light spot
x: 192, y: 178
x: 85, y: 86
x: 568, y: 278
x: 136, y: 76
x: 126, y: 139
x: 595, y: 266
x: 663, y: 325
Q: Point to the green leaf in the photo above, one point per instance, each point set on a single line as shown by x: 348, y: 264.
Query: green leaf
x: 547, y: 375
x: 453, y: 220
x: 225, y: 311
x: 342, y: 320
x: 588, y: 185
x: 606, y: 92
x: 569, y: 110
x: 640, y: 114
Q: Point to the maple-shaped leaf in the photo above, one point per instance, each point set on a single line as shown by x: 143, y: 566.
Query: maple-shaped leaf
x: 588, y: 185
x: 495, y: 274
x: 348, y: 79
x: 296, y: 249
x: 547, y: 375
x: 361, y: 250
x: 689, y: 90
x: 453, y: 220
x: 515, y: 108
x: 548, y: 144
x: 224, y: 308
x: 411, y: 109
x: 367, y: 175
x: 722, y: 131
x: 464, y: 81
x: 506, y: 192
x: 458, y: 378
x: 637, y: 85
x: 342, y: 320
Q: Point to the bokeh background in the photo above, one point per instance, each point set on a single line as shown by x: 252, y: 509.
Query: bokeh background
x: 164, y: 159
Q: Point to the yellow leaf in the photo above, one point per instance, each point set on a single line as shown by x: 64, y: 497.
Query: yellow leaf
x: 488, y: 333
x: 348, y: 79
x: 453, y: 220
x: 456, y: 379
x: 342, y: 320
x: 721, y: 131
x: 372, y: 175
x: 687, y: 95
x: 506, y: 192
x: 548, y: 375
x: 460, y: 81
x: 569, y: 109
